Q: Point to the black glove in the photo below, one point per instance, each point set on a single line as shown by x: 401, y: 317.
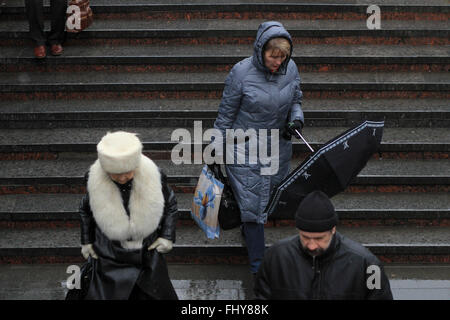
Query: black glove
x: 292, y: 126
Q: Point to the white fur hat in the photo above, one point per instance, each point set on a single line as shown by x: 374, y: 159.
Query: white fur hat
x: 119, y: 152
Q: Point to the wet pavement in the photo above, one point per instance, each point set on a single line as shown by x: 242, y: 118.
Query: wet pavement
x: 214, y: 282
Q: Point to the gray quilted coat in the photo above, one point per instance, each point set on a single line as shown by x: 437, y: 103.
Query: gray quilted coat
x: 256, y: 98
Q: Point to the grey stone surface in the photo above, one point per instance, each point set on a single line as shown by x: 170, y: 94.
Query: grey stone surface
x: 122, y: 2
x: 366, y: 235
x: 110, y: 105
x: 227, y: 50
x: 418, y: 272
x: 68, y: 203
x: 211, y: 105
x: 78, y: 167
x: 194, y: 236
x: 376, y: 104
x: 420, y: 289
x: 46, y: 203
x: 7, y: 203
x: 107, y: 77
x: 174, y: 78
x: 391, y: 201
x: 311, y: 134
x: 235, y: 24
x: 190, y: 282
x: 407, y: 168
x: 211, y: 282
x: 119, y: 2
x: 40, y: 238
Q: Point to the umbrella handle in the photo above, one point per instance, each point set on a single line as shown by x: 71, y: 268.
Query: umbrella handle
x: 301, y: 137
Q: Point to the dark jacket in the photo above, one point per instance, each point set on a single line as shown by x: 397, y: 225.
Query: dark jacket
x: 119, y: 269
x: 254, y: 98
x: 340, y: 273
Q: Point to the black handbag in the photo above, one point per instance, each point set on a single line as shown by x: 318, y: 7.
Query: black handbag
x: 229, y: 214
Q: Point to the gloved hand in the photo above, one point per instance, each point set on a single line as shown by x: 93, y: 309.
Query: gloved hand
x: 161, y: 245
x: 87, y: 250
x: 294, y: 125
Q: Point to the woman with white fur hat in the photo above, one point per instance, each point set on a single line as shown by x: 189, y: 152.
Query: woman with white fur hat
x: 128, y: 219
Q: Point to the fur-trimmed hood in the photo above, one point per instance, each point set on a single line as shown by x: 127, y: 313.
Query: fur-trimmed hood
x: 146, y: 204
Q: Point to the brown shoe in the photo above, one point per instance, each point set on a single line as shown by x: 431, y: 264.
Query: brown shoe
x: 40, y: 52
x: 56, y: 49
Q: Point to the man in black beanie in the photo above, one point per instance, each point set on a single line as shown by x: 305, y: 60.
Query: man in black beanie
x: 320, y: 263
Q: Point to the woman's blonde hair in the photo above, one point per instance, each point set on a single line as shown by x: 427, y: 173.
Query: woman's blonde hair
x: 278, y: 45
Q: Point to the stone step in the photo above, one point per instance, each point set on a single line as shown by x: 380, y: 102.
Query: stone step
x: 298, y: 28
x: 204, y: 108
x: 354, y: 209
x: 326, y: 6
x: 213, y: 282
x: 343, y: 3
x: 187, y: 118
x: 245, y: 27
x: 191, y: 282
x: 71, y: 172
x: 303, y: 55
x: 158, y: 139
x: 390, y: 244
x: 212, y: 81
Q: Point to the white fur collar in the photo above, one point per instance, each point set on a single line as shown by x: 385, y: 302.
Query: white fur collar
x: 146, y: 204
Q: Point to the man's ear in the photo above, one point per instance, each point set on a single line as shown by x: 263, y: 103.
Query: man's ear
x: 333, y: 231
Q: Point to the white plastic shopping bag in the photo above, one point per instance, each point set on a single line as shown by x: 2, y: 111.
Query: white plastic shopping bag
x: 206, y: 203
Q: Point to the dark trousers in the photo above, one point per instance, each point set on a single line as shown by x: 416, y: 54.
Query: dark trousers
x: 254, y: 239
x: 35, y: 15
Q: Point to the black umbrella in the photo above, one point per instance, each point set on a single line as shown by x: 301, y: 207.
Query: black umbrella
x: 329, y: 169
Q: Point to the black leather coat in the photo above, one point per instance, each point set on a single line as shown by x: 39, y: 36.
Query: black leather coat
x: 118, y: 270
x: 341, y: 273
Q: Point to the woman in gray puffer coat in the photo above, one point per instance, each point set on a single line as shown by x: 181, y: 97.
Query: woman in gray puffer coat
x: 261, y: 92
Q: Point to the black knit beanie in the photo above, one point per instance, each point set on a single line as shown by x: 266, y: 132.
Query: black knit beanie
x: 316, y: 213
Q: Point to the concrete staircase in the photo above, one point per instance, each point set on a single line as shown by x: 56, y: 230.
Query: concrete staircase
x: 153, y: 66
